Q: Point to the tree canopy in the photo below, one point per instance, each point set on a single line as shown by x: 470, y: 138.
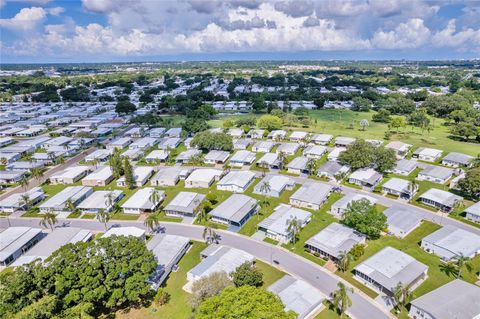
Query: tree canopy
x: 244, y: 302
x: 247, y: 274
x: 125, y: 106
x: 98, y: 276
x: 270, y: 122
x: 364, y: 217
x: 212, y: 141
x: 362, y: 154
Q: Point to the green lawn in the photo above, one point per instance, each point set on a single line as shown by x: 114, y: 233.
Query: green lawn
x: 329, y: 312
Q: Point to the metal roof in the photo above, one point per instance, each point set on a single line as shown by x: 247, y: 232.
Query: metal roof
x: 14, y: 238
x: 234, y: 208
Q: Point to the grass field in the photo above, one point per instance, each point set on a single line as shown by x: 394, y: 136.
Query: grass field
x: 346, y: 123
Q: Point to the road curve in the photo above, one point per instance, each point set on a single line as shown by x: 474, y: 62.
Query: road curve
x: 362, y: 305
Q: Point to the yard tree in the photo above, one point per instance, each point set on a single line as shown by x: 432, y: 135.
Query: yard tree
x: 194, y: 125
x: 341, y: 299
x: 358, y: 154
x: 258, y: 103
x: 228, y: 124
x: 244, y: 302
x: 402, y: 295
x: 397, y: 123
x: 78, y: 276
x: 270, y: 122
x: 418, y: 118
x: 364, y: 217
x: 384, y: 159
x: 152, y: 221
x: 125, y: 106
x: 382, y: 116
x: 208, y: 286
x: 212, y: 141
x: 364, y: 124
x: 49, y: 219
x: 103, y: 217
x: 471, y: 183
x: 247, y: 274
x: 465, y: 130
x: 361, y: 104
x: 128, y: 171
x: 115, y: 163
x: 293, y: 226
x: 344, y: 259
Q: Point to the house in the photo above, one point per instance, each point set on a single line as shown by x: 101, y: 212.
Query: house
x: 52, y: 242
x: 132, y: 154
x: 456, y: 299
x: 298, y: 296
x: 440, y: 199
x: 58, y: 141
x: 174, y: 132
x: 102, y: 176
x: 298, y: 165
x: 273, y: 185
x: 11, y: 177
x: 144, y: 143
x: 427, y: 154
x: 334, y: 240
x: 187, y: 156
x: 334, y: 171
x: 277, y: 135
x: 400, y: 187
x: 401, y: 220
x: 4, y: 141
x: 298, y: 136
x: 473, y: 212
x: 256, y: 134
x: 59, y: 203
x: 49, y: 158
x: 169, y: 143
x: 343, y: 141
x: 216, y: 157
x: 236, y: 181
x: 156, y: 132
x: 120, y: 143
x: 70, y: 175
x: 455, y: 159
x: 141, y: 201
x: 157, y: 156
x: 436, y: 174
x: 366, y: 177
x: 275, y: 226
x: 288, y: 149
x: 242, y: 157
x: 100, y: 200
x: 450, y: 242
x: 404, y: 167
x: 335, y: 153
x: 263, y: 146
x: 235, y: 211
x: 340, y: 206
x: 141, y: 175
x: 203, y: 178
x: 242, y: 144
x: 8, y: 158
x: 384, y: 270
x: 218, y: 258
x: 125, y: 231
x: 269, y: 160
x: 235, y: 132
x: 15, y: 201
x: 184, y: 204
x: 314, y: 151
x: 374, y: 143
x: 311, y: 195
x: 169, y: 176
x: 135, y: 132
x: 322, y: 139
x: 24, y: 165
x: 15, y: 241
x: 100, y: 155
x: 167, y: 250
x: 401, y: 149
x: 187, y: 142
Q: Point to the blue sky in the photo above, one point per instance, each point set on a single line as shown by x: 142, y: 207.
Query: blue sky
x: 139, y: 30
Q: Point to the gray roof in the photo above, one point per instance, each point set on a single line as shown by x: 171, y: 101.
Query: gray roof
x: 269, y: 159
x: 401, y: 218
x: 141, y: 199
x: 397, y: 184
x: 336, y: 238
x: 458, y: 158
x: 234, y: 208
x: 366, y: 175
x: 277, y: 184
x: 185, y: 202
x: 52, y: 242
x: 98, y: 199
x: 455, y: 240
x: 332, y: 168
x: 166, y: 248
x: 456, y: 299
x: 406, y: 165
x: 237, y: 178
x: 437, y: 172
x: 277, y: 221
x: 441, y: 196
x: 215, y: 155
x: 390, y: 266
x: 297, y: 295
x: 474, y: 209
x: 14, y: 238
x: 312, y: 192
x: 168, y: 173
x: 298, y: 163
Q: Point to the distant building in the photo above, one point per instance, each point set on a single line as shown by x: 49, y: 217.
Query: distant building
x: 275, y: 226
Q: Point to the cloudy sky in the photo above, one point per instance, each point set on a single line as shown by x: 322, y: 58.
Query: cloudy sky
x: 139, y: 30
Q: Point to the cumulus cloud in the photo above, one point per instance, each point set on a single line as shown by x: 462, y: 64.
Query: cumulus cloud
x: 411, y: 34
x: 295, y: 8
x: 25, y: 20
x: 449, y: 37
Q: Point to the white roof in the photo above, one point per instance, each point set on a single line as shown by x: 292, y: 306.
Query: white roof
x: 204, y: 175
x: 441, y: 196
x: 71, y: 172
x: 102, y: 173
x: 237, y: 178
x: 71, y: 192
x: 124, y: 231
x: 98, y: 199
x: 455, y: 240
x: 141, y: 199
x: 15, y: 199
x: 14, y: 238
x: 277, y: 222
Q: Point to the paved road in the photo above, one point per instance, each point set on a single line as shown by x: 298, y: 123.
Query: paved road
x: 326, y: 282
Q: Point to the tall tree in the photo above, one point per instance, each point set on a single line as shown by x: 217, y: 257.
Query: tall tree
x: 103, y: 217
x: 344, y: 259
x: 293, y: 227
x: 49, y: 219
x: 247, y: 274
x: 341, y: 299
x: 128, y: 171
x: 152, y: 222
x: 364, y: 217
x: 402, y: 295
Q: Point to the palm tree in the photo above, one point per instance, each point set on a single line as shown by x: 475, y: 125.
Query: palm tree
x: 23, y: 182
x: 412, y: 188
x: 311, y: 166
x: 51, y: 157
x: 210, y: 236
x: 340, y: 298
x: 37, y: 173
x: 109, y: 199
x: 402, y: 295
x: 155, y: 197
x: 152, y: 222
x: 460, y: 261
x: 200, y: 211
x: 282, y: 158
x: 263, y: 165
x: 25, y: 201
x: 103, y: 217
x: 344, y: 259
x: 227, y: 168
x: 293, y: 226
x: 265, y: 188
x: 48, y: 220
x: 69, y: 205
